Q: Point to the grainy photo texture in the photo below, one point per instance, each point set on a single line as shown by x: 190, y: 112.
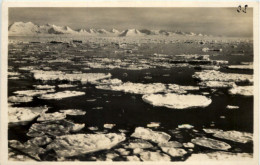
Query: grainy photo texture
x: 130, y: 84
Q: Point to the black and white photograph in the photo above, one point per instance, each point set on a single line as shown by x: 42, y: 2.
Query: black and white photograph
x: 131, y: 84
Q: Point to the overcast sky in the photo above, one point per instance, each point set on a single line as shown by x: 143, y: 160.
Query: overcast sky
x: 215, y: 21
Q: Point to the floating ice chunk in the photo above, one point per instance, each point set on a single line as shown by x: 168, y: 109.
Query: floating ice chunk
x: 33, y: 92
x: 185, y: 126
x: 174, y: 152
x: 154, y: 156
x: 91, y: 100
x: 13, y: 78
x: 241, y: 67
x: 176, y: 101
x: 232, y: 107
x: 20, y: 99
x: 242, y: 90
x: 27, y: 68
x: 44, y: 86
x: 111, y: 82
x: 73, y: 112
x: 212, y: 130
x: 111, y: 155
x: 170, y: 144
x: 54, y: 128
x: 61, y: 95
x: 51, y: 116
x: 236, y: 136
x: 136, y: 88
x: 132, y: 158
x: 137, y: 151
x: 14, y: 74
x: 93, y: 128
x: 29, y: 149
x: 66, y: 86
x: 22, y: 116
x: 79, y: 144
x: 211, y: 143
x: 109, y: 126
x: 77, y: 127
x: 153, y: 124
x: 60, y: 76
x: 139, y: 143
x: 212, y: 75
x: 148, y: 134
x: 216, y: 84
x: 123, y: 151
x: 188, y: 145
x: 220, y: 156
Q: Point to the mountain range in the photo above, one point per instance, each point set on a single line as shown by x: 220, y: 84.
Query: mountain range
x: 31, y: 29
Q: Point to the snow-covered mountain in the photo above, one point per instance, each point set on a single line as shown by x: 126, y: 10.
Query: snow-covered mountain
x: 31, y: 29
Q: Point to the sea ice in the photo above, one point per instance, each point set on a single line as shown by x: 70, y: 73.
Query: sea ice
x: 211, y: 143
x: 176, y: 101
x: 148, y: 134
x: 61, y: 95
x: 79, y: 144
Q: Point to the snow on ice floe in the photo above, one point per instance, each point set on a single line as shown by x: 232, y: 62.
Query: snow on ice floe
x: 154, y: 156
x: 51, y: 116
x: 236, y: 136
x: 211, y: 143
x: 23, y: 115
x: 61, y: 95
x: 53, y: 128
x: 216, y: 84
x: 242, y: 90
x: 73, y: 112
x: 220, y: 156
x: 20, y: 99
x: 59, y: 75
x: 79, y: 144
x: 212, y: 75
x: 241, y: 67
x: 139, y: 88
x: 177, y: 101
x: 148, y: 134
x: 33, y: 92
x: 66, y: 85
x: 44, y: 86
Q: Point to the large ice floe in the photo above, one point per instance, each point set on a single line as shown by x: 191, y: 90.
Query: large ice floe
x: 212, y: 75
x: 53, y: 128
x: 59, y: 76
x: 216, y: 84
x: 51, y: 116
x: 220, y: 156
x: 23, y: 115
x: 242, y: 90
x: 61, y: 95
x: 73, y: 112
x: 236, y: 136
x: 211, y: 143
x: 33, y: 92
x: 79, y: 144
x: 20, y: 99
x: 148, y: 134
x: 177, y: 101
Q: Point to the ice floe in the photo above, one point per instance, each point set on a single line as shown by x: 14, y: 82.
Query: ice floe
x: 51, y: 116
x: 185, y: 126
x: 132, y: 158
x: 22, y: 116
x: 211, y: 143
x: 79, y: 144
x: 20, y: 99
x: 236, y: 136
x: 61, y: 95
x: 33, y: 92
x: 73, y: 112
x: 176, y: 101
x: 66, y: 85
x: 139, y: 143
x: 174, y: 152
x: 154, y: 156
x: 212, y: 75
x: 170, y: 144
x: 216, y: 84
x: 44, y: 86
x: 148, y: 134
x: 232, y: 107
x: 58, y: 75
x: 39, y: 141
x: 241, y: 67
x: 242, y: 90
